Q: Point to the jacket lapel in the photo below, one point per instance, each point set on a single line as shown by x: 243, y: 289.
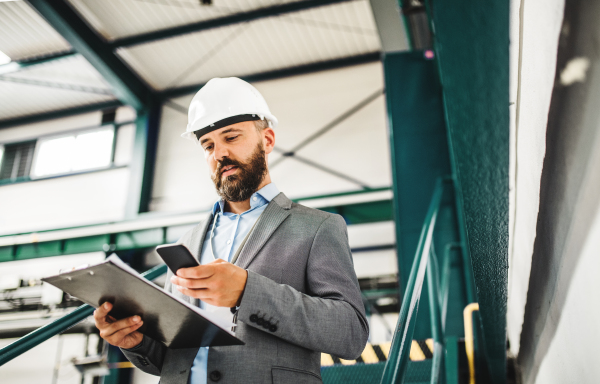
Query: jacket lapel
x: 275, y: 213
x: 195, y: 246
x: 198, y: 236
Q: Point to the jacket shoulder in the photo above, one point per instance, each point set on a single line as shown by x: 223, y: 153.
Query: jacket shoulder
x: 313, y: 214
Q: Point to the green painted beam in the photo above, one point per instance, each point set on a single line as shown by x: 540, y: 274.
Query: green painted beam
x: 128, y: 87
x: 16, y: 66
x: 340, y: 194
x: 142, y: 161
x: 6, y: 254
x: 358, y: 213
x: 236, y: 18
x: 86, y: 244
x: 146, y: 238
x: 37, y: 250
x: 57, y: 114
x: 284, y: 72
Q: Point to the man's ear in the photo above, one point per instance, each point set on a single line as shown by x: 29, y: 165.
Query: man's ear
x: 268, y: 136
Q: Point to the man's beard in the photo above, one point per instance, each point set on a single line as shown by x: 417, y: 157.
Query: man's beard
x: 241, y: 185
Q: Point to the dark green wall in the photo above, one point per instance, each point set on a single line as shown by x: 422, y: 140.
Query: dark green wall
x: 472, y: 45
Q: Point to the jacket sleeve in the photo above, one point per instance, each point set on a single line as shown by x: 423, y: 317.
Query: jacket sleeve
x: 147, y: 356
x: 330, y: 318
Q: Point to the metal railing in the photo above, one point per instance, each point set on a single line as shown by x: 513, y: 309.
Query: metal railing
x: 424, y: 265
x: 42, y: 334
x: 395, y: 368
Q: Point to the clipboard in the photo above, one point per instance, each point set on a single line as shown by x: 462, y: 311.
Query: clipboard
x: 167, y: 318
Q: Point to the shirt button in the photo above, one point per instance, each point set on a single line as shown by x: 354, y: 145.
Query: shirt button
x: 255, y: 198
x: 228, y: 241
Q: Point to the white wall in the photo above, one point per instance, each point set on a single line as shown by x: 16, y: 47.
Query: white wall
x: 67, y: 201
x: 64, y: 201
x: 535, y: 26
x: 573, y: 353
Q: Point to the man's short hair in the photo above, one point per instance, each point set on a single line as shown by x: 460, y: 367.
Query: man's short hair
x: 261, y: 124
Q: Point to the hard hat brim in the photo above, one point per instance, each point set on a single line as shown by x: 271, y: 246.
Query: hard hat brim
x: 225, y: 122
x: 198, y: 133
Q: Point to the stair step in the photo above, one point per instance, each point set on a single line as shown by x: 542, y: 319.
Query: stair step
x: 419, y: 372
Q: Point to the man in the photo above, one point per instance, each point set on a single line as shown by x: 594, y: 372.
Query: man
x: 285, y: 270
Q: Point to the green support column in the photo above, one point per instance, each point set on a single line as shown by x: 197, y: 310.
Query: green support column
x: 142, y: 161
x: 419, y: 150
x: 472, y: 45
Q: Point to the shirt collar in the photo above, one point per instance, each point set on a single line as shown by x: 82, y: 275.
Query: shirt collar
x: 263, y: 195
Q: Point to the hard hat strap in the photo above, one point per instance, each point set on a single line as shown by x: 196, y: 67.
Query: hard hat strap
x: 225, y: 122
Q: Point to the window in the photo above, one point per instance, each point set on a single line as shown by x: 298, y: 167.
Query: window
x: 15, y: 160
x: 77, y: 152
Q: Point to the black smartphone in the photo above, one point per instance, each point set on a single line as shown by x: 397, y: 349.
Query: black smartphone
x: 176, y: 256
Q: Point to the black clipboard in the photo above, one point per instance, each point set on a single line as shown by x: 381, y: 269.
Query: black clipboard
x: 167, y: 319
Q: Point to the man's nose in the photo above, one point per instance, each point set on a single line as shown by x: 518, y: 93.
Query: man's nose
x: 220, y: 152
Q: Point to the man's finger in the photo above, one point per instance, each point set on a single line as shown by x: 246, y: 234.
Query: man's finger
x: 117, y: 326
x: 192, y: 283
x: 117, y: 337
x: 199, y: 272
x: 102, y: 311
x: 202, y: 294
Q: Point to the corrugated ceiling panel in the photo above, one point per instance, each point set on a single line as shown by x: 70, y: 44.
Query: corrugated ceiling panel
x: 119, y: 18
x: 305, y: 37
x: 24, y: 34
x: 72, y: 71
x: 41, y: 99
x: 60, y: 84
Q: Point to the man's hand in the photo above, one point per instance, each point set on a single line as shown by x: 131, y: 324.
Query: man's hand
x: 218, y: 283
x: 120, y: 333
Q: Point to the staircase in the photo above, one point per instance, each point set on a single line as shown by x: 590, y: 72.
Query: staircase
x: 447, y: 357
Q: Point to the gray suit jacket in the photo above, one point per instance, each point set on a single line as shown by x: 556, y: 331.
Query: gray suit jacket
x: 301, y: 280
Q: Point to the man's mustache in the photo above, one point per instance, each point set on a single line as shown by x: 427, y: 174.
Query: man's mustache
x: 225, y: 163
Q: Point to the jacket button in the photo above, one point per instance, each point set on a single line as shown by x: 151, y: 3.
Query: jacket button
x: 215, y: 376
x: 260, y: 321
x: 273, y: 328
x: 253, y: 318
x: 266, y: 325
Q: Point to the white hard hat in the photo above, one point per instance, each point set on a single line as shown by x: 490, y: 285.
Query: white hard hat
x: 222, y: 102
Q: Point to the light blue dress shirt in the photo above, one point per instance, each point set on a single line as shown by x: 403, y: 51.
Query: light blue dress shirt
x: 229, y: 232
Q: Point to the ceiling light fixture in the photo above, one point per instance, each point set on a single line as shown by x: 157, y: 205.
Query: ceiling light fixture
x: 4, y: 59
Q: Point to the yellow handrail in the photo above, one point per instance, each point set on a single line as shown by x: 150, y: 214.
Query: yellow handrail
x: 469, y: 342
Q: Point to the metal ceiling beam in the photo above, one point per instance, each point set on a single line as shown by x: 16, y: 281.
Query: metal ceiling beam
x: 255, y: 14
x: 16, y: 66
x: 21, y: 120
x: 170, y: 93
x: 284, y: 72
x: 128, y: 87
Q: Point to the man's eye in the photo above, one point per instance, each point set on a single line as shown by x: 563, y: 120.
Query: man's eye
x: 232, y: 138
x: 208, y: 148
